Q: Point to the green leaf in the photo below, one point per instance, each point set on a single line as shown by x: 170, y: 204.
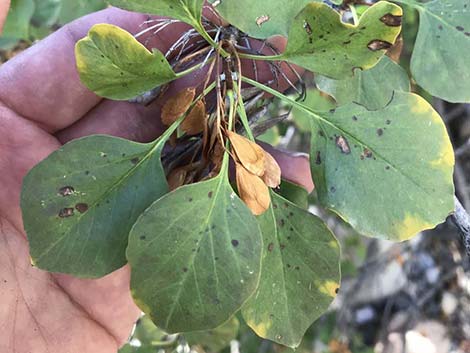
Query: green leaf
x: 46, y: 12
x: 195, y: 256
x: 320, y: 42
x: 260, y: 19
x: 300, y: 273
x: 294, y: 193
x: 80, y: 203
x: 72, y: 9
x: 440, y: 57
x: 17, y: 22
x: 217, y: 339
x: 387, y: 172
x: 188, y: 11
x: 371, y: 88
x: 113, y: 64
x: 318, y: 101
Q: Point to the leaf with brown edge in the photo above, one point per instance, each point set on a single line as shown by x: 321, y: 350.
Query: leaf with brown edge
x: 272, y: 172
x: 250, y: 154
x: 252, y: 190
x: 194, y: 123
x: 177, y: 105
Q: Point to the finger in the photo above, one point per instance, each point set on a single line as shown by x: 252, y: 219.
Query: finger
x: 42, y: 83
x: 295, y: 167
x: 4, y: 6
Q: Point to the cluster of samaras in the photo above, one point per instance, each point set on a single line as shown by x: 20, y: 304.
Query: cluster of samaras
x: 256, y: 169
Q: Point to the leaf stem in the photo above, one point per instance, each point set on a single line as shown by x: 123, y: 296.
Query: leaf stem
x: 261, y: 57
x: 192, y: 69
x: 283, y: 97
x: 243, y: 117
x: 202, y: 31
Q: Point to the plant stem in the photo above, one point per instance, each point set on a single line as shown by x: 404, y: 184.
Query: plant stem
x: 202, y: 31
x: 260, y: 57
x: 243, y: 116
x: 283, y: 97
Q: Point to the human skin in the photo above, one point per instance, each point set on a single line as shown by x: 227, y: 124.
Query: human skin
x: 43, y: 105
x: 4, y: 6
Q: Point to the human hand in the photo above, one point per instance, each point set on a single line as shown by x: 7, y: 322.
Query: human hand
x: 43, y: 105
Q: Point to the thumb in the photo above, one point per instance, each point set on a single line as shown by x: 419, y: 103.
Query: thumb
x: 4, y: 6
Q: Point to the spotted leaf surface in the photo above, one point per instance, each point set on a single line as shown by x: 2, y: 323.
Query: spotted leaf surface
x: 261, y: 18
x: 188, y: 11
x: 440, y: 57
x: 300, y: 273
x: 113, y: 64
x: 386, y: 172
x: 79, y: 204
x: 195, y: 256
x: 320, y: 42
x: 371, y: 88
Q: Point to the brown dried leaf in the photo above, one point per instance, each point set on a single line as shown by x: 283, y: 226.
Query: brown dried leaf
x: 177, y: 105
x: 252, y: 190
x: 272, y: 173
x: 250, y: 155
x: 194, y: 123
x: 176, y: 178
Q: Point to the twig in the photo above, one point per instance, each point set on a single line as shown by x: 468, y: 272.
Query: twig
x: 462, y: 221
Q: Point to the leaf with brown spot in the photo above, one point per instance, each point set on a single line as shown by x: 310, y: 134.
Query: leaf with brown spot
x: 252, y: 190
x: 194, y: 122
x: 272, y: 172
x: 177, y: 105
x: 320, y: 42
x: 83, y: 229
x: 249, y: 153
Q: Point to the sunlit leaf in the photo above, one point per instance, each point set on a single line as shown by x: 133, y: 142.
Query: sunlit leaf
x: 320, y: 42
x: 188, y: 11
x: 195, y: 256
x: 300, y: 273
x: 387, y: 172
x: 217, y: 339
x: 260, y: 18
x: 440, y: 56
x: 113, y: 64
x: 79, y: 203
x: 371, y: 88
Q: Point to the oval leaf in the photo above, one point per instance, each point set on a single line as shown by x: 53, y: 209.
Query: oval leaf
x: 440, y: 56
x: 113, y: 64
x: 371, y: 88
x: 387, y: 172
x: 80, y: 203
x: 195, y: 256
x: 260, y: 19
x: 320, y: 42
x: 300, y: 273
x: 188, y: 11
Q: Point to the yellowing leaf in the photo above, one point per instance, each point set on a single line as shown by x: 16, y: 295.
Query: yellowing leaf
x: 194, y: 123
x: 272, y: 173
x: 252, y: 190
x: 177, y: 105
x: 250, y: 154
